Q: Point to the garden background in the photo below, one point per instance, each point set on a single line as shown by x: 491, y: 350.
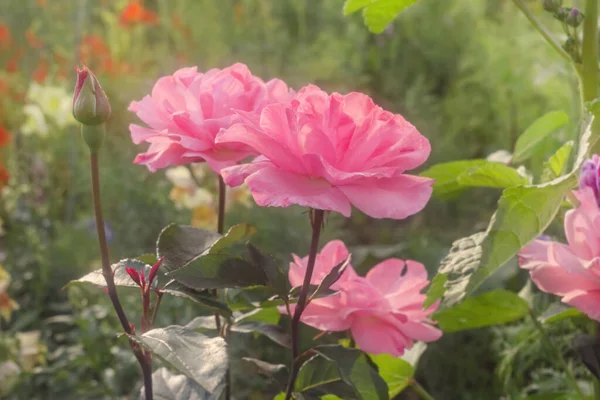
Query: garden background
x: 471, y: 75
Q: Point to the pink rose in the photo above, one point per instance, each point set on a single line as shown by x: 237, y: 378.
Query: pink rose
x: 186, y: 111
x: 330, y: 151
x: 384, y: 310
x: 571, y: 271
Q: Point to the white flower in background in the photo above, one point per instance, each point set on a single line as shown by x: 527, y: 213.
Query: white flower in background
x: 35, y: 122
x: 31, y: 350
x: 52, y: 102
x: 185, y: 192
x: 9, y: 375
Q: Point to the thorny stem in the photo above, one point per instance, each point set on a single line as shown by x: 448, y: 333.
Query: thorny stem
x: 317, y: 222
x: 559, y: 358
x: 143, y: 360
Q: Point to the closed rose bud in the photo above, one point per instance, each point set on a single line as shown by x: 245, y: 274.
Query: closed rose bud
x: 575, y: 18
x: 90, y: 104
x: 551, y: 5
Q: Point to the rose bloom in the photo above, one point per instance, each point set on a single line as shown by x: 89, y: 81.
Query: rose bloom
x: 571, y: 270
x: 383, y: 311
x: 330, y: 151
x: 186, y: 111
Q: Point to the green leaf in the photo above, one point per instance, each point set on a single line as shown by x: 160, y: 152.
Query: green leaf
x: 236, y: 233
x: 436, y: 290
x: 121, y: 277
x: 396, y: 372
x: 559, y: 312
x: 217, y: 271
x: 355, y: 370
x: 277, y: 372
x: 377, y: 13
x: 491, y: 174
x: 180, y: 245
x: 533, y: 136
x: 319, y: 376
x: 204, y: 298
x: 523, y: 213
x: 269, y: 315
x: 332, y: 277
x: 147, y: 258
x: 169, y: 386
x: 492, y: 308
x: 295, y: 292
x: 557, y: 163
x: 274, y: 332
x: 446, y: 175
x: 275, y: 273
x: 198, y: 357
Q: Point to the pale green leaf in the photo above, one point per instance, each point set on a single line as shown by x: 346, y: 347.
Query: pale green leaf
x: 377, y: 13
x: 492, y: 308
x: 536, y: 133
x: 492, y: 174
x: 557, y: 163
x: 396, y: 372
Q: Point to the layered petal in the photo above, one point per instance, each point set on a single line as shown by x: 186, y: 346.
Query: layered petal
x: 273, y: 187
x: 332, y: 254
x: 395, y: 198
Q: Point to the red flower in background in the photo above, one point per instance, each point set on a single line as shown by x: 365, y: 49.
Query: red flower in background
x: 4, y: 176
x: 41, y: 71
x: 135, y: 12
x: 4, y: 37
x: 4, y: 136
x: 32, y: 39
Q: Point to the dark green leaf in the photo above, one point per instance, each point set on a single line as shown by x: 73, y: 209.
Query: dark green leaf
x: 332, y: 277
x: 169, y: 386
x: 198, y: 357
x: 533, y: 136
x: 217, y: 271
x: 295, y: 292
x: 588, y: 349
x: 277, y: 372
x: 396, y: 372
x: 204, y: 298
x: 236, y: 233
x: 377, y: 13
x: 355, y: 370
x: 275, y: 273
x: 492, y: 308
x: 273, y: 332
x: 319, y: 376
x: 180, y: 245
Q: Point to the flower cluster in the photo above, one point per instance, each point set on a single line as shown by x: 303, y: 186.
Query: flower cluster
x: 572, y: 270
x: 313, y: 149
x: 383, y: 310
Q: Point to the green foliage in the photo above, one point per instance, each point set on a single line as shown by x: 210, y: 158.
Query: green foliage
x: 492, y: 308
x: 377, y: 13
x: 196, y: 356
x: 457, y: 175
x: 396, y: 372
x: 533, y: 136
x: 557, y: 163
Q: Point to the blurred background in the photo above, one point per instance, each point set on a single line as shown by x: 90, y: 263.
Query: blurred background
x: 470, y: 74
